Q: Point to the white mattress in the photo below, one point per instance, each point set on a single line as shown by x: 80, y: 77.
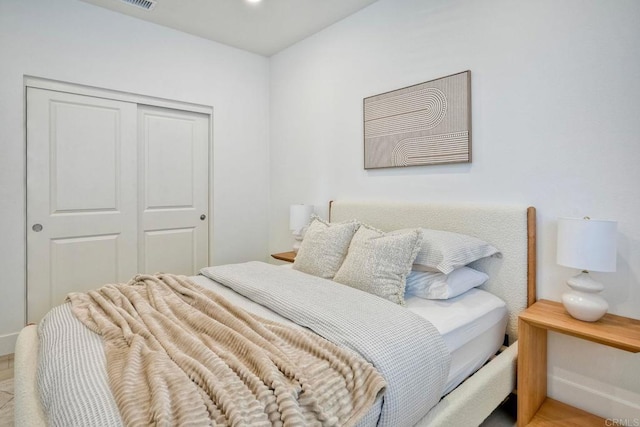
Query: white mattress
x: 472, y: 325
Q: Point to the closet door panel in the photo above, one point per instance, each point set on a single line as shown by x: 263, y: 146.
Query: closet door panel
x: 81, y: 195
x: 174, y: 191
x: 181, y: 255
x: 169, y: 165
x: 85, y: 146
x: 78, y: 263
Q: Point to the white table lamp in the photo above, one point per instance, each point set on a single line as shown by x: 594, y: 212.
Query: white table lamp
x: 299, y: 219
x: 590, y: 245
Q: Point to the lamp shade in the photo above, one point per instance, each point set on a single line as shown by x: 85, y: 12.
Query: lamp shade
x: 587, y: 244
x: 299, y: 216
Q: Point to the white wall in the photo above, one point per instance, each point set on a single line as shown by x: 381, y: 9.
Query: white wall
x: 76, y: 42
x: 556, y: 125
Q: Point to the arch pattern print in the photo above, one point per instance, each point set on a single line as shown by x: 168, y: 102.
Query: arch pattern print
x: 425, y: 124
x: 449, y: 148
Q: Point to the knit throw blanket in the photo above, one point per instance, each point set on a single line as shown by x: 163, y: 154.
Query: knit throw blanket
x: 179, y: 354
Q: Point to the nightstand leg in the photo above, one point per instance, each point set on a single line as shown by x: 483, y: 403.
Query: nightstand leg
x: 532, y: 370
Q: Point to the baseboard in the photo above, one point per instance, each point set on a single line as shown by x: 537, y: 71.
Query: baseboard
x: 602, y: 399
x: 8, y: 343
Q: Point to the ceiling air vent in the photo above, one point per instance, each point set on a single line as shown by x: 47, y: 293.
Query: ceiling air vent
x: 142, y: 4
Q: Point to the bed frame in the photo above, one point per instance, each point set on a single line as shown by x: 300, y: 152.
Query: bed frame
x: 512, y: 229
x: 512, y: 277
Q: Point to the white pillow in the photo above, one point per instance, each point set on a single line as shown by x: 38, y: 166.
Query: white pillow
x: 324, y: 247
x: 379, y: 263
x: 444, y: 251
x: 430, y: 285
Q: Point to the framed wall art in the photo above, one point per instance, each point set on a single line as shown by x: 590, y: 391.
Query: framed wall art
x: 424, y: 124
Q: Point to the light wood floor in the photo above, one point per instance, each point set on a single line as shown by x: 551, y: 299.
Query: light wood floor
x: 6, y: 391
x: 6, y: 367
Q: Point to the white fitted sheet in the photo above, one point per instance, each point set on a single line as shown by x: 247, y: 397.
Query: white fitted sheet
x: 472, y: 325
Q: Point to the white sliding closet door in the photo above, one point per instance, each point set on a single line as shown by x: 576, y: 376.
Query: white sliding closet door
x: 114, y: 188
x: 173, y: 176
x: 81, y: 195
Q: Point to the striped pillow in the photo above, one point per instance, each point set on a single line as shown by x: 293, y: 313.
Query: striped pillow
x: 430, y: 285
x: 444, y: 251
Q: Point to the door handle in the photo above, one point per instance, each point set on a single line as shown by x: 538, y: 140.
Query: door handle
x: 37, y: 228
x: 203, y: 217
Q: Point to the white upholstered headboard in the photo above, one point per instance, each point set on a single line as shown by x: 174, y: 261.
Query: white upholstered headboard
x: 511, y: 229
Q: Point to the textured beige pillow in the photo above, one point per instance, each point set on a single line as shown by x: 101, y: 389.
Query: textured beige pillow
x: 324, y: 247
x: 379, y: 263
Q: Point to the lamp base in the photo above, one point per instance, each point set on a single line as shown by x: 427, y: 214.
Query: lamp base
x: 582, y: 301
x: 297, y: 235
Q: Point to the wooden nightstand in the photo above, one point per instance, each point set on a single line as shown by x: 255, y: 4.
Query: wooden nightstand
x: 534, y: 407
x: 285, y: 256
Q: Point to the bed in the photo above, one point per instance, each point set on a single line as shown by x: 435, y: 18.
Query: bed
x: 469, y: 396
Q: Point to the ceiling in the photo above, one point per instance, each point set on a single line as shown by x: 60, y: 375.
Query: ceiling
x: 264, y: 28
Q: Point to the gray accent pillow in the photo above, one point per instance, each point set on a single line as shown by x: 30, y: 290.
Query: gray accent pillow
x: 444, y: 251
x: 324, y: 247
x: 379, y: 263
